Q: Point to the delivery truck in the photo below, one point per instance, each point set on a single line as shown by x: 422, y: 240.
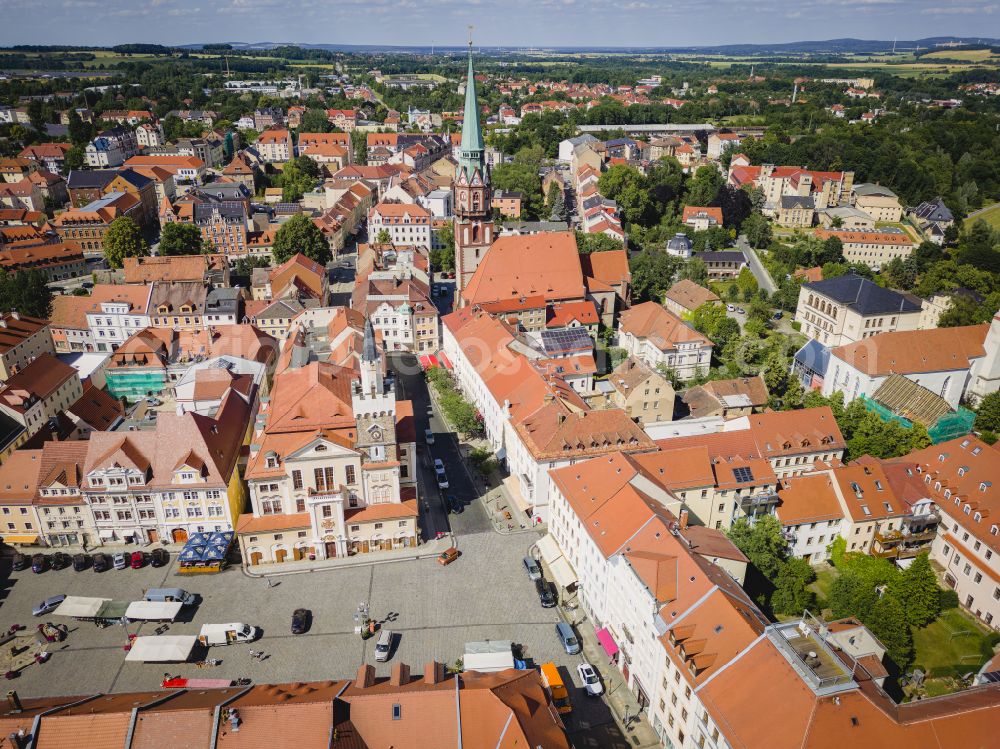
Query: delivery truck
x: 226, y: 634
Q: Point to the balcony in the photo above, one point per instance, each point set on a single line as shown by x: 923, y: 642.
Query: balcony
x: 759, y: 501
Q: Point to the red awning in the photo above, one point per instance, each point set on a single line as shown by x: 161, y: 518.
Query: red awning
x: 427, y: 361
x: 607, y: 642
x: 444, y: 360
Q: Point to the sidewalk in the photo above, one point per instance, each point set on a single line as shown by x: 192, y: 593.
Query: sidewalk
x: 616, y: 693
x: 423, y: 551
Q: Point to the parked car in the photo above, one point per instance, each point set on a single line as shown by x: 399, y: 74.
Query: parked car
x: 590, y: 680
x: 534, y: 571
x: 568, y: 638
x: 430, y: 409
x: 730, y: 308
x: 448, y: 556
x: 60, y: 561
x: 546, y: 595
x: 741, y: 310
x: 21, y: 562
x: 137, y: 560
x: 455, y: 504
x: 439, y: 473
x: 39, y: 563
x: 120, y: 561
x: 778, y: 315
x: 429, y: 436
x: 48, y: 605
x: 101, y: 562
x: 383, y: 646
x: 300, y: 621
x: 81, y: 562
x: 159, y: 558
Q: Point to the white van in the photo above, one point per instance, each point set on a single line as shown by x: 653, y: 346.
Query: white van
x: 225, y: 634
x: 383, y: 646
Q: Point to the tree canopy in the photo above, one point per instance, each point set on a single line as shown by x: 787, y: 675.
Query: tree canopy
x: 178, y: 238
x: 300, y: 234
x: 123, y: 239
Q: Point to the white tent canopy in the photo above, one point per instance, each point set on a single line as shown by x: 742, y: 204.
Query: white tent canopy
x: 154, y: 610
x: 161, y: 649
x: 558, y: 566
x: 490, y: 655
x: 80, y: 607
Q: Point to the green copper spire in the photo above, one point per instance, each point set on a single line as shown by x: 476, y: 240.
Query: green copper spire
x: 471, y: 151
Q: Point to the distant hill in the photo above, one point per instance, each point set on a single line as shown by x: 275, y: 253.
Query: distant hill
x: 825, y: 47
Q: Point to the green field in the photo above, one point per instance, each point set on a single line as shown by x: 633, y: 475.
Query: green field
x: 972, y: 55
x: 990, y: 215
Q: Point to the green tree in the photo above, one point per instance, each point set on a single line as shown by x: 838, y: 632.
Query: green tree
x: 300, y: 234
x: 590, y: 243
x: 988, y: 413
x: 79, y: 132
x: 123, y: 239
x: 762, y: 542
x: 757, y: 230
x: 181, y: 239
x: 791, y: 594
x: 703, y: 188
x: 652, y: 275
x: 694, y: 270
x: 384, y: 237
x: 630, y: 189
x: 36, y: 116
x: 887, y: 621
x: 443, y: 258
x: 918, y: 590
x: 315, y: 121
x: 27, y: 292
x: 74, y: 159
x: 298, y: 177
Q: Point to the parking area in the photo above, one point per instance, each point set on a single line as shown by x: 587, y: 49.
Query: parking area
x: 435, y: 610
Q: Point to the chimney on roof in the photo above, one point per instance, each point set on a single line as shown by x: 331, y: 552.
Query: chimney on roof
x: 400, y: 675
x: 433, y: 672
x: 15, y: 314
x: 683, y: 520
x: 13, y: 701
x: 365, y: 677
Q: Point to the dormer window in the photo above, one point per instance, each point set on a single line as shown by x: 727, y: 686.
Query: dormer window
x: 984, y: 486
x: 962, y: 470
x: 976, y: 450
x: 937, y: 486
x: 977, y: 517
x: 967, y: 509
x: 947, y: 493
x: 271, y: 460
x: 994, y: 530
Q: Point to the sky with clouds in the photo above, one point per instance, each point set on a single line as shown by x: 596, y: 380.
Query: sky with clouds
x: 508, y: 23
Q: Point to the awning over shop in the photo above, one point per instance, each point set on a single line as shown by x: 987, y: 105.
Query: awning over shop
x: 514, y: 490
x: 562, y: 572
x: 427, y: 361
x: 607, y: 642
x: 549, y: 549
x: 445, y: 360
x: 11, y: 539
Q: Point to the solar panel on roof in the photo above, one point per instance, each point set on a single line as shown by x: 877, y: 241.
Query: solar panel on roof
x: 565, y: 340
x: 742, y: 475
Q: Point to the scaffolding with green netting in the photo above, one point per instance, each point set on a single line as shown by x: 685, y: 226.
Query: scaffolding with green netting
x: 135, y: 385
x: 948, y: 427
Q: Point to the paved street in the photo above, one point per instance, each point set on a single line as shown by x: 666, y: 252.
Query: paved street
x: 756, y: 267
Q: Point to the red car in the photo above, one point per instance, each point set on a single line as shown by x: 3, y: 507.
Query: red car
x: 137, y: 560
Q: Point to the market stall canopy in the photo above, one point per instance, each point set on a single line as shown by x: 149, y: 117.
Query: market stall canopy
x: 161, y: 649
x: 154, y: 610
x: 80, y: 607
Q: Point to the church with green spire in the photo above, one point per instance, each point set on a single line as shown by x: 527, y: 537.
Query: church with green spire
x: 471, y: 191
